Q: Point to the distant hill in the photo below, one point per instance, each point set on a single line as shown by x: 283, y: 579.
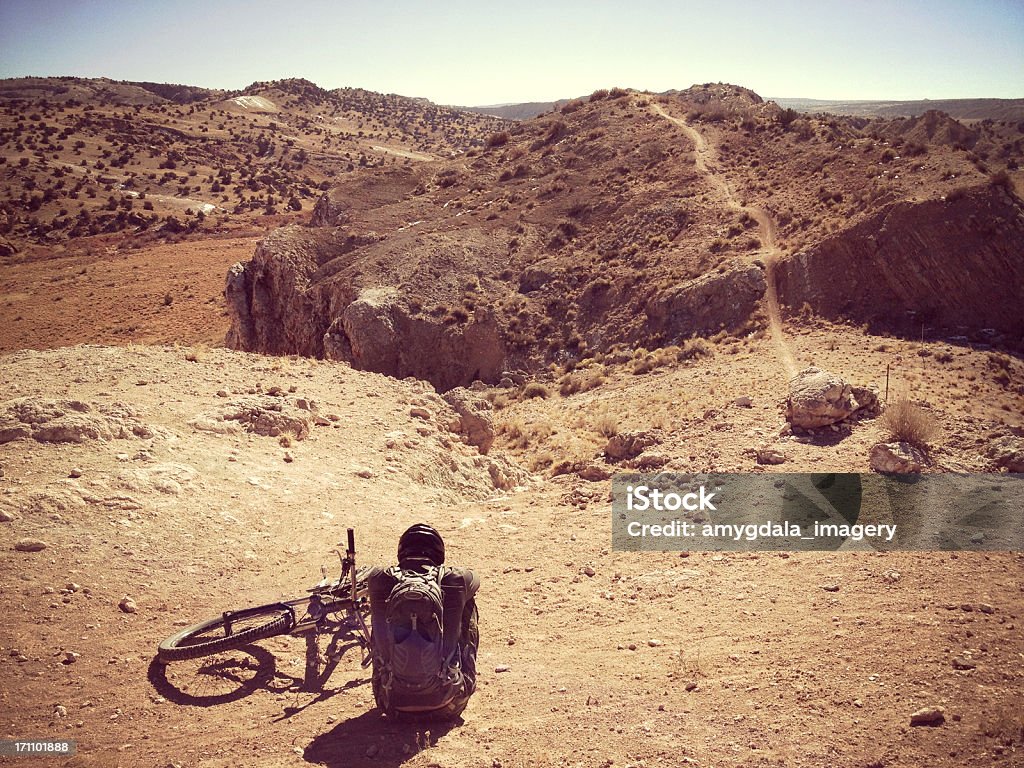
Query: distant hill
x: 961, y: 109
x: 517, y: 111
x: 100, y: 90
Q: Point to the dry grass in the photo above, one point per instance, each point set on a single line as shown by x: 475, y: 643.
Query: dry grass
x: 606, y: 424
x: 907, y: 422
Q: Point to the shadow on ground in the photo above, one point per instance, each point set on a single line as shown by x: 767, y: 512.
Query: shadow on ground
x: 373, y: 740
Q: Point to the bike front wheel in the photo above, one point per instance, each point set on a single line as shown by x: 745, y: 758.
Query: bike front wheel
x: 227, y: 632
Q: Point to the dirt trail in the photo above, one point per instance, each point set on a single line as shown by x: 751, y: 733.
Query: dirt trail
x: 766, y: 224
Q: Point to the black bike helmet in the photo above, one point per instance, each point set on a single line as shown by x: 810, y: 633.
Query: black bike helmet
x: 421, y: 542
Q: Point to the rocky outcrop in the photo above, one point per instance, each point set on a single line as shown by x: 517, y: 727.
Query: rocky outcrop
x: 377, y: 332
x: 948, y: 263
x: 261, y: 415
x: 474, y: 420
x: 708, y: 303
x: 300, y: 294
x: 629, y: 445
x: 818, y: 398
x: 271, y: 298
x: 329, y: 212
x: 1007, y: 452
x: 68, y: 421
x: 897, y: 458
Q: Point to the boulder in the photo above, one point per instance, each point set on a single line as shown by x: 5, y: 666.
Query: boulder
x: 897, y: 458
x: 629, y: 445
x: 474, y: 421
x: 818, y: 398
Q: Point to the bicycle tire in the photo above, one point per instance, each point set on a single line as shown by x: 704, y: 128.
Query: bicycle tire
x: 202, y: 639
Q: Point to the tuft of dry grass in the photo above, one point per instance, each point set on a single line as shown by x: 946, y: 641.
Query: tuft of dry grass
x: 907, y: 422
x: 606, y: 424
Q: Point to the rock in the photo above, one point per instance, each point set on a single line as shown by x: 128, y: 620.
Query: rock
x: 534, y: 278
x: 654, y: 643
x: 646, y: 462
x: 503, y: 668
x: 60, y: 711
x: 419, y: 413
x: 589, y: 571
x: 475, y: 422
x: 7, y: 248
x: 68, y: 421
x: 743, y: 402
x: 30, y: 545
x: 594, y: 473
x: 709, y: 303
x: 372, y: 750
x: 71, y: 657
x: 330, y: 212
x: 770, y: 455
x: 830, y: 587
x: 1007, y: 452
x: 690, y: 686
x: 897, y: 458
x: 964, y: 663
x: 6, y: 516
x: 378, y: 332
x: 288, y: 458
x: 364, y: 472
x: 629, y: 445
x: 127, y: 605
x: 868, y: 402
x: 930, y: 716
x: 75, y: 473
x: 261, y: 414
x: 818, y: 398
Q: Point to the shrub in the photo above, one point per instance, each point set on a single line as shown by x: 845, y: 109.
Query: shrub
x: 1001, y: 179
x: 572, y: 383
x: 497, y: 139
x: 536, y: 389
x: 907, y: 422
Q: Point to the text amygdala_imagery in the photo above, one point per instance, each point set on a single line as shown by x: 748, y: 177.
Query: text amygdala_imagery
x: 817, y: 511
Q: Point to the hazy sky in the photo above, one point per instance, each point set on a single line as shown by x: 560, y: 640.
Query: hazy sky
x: 467, y: 53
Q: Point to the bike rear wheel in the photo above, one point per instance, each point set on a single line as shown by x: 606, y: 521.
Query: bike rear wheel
x: 231, y: 630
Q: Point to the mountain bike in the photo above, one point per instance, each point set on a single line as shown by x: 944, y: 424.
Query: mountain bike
x: 336, y: 605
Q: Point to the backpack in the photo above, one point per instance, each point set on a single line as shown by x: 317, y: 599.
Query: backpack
x: 416, y: 671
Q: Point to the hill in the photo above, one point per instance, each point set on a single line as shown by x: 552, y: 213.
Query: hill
x: 90, y: 157
x: 605, y: 227
x: 960, y: 109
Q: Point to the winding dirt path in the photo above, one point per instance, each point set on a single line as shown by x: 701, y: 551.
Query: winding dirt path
x: 770, y: 251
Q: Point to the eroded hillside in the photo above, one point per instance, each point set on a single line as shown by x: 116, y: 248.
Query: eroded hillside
x: 627, y: 220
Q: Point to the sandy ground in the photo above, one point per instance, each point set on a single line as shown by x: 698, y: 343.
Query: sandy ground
x: 656, y: 659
